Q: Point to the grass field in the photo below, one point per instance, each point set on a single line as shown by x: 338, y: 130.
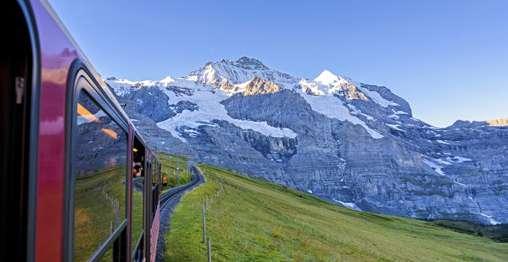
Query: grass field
x: 175, y: 169
x: 496, y: 232
x: 251, y: 220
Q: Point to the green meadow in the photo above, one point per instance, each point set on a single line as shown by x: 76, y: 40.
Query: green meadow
x: 253, y: 220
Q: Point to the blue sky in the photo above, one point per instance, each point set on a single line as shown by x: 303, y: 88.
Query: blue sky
x: 449, y: 59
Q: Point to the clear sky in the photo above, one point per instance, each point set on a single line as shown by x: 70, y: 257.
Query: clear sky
x: 449, y: 59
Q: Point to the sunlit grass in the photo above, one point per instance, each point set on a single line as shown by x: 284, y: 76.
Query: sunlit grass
x: 252, y: 220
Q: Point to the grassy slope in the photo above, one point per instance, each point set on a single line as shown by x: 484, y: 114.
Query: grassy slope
x: 250, y: 220
x: 497, y: 232
x: 175, y: 169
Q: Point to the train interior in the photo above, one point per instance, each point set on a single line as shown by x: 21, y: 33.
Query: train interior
x: 138, y: 175
x: 15, y: 81
x: 138, y: 158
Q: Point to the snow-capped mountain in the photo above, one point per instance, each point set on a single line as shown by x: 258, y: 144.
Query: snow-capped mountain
x: 239, y: 72
x: 351, y: 143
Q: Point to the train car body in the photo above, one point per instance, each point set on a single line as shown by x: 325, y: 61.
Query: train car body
x: 83, y: 185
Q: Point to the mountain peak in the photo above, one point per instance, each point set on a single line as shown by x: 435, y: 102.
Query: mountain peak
x: 250, y: 63
x: 167, y: 80
x: 240, y: 71
x: 326, y: 77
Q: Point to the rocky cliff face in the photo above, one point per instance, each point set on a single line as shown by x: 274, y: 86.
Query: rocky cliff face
x: 351, y: 143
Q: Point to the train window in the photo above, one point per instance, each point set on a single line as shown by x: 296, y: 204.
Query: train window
x: 100, y: 171
x: 138, y: 185
x: 155, y: 177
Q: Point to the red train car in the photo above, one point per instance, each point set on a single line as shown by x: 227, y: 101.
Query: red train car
x: 78, y: 182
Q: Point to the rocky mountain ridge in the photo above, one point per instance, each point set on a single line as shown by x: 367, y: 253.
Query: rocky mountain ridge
x: 351, y: 143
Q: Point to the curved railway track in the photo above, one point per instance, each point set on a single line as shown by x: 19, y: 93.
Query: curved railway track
x: 197, y: 178
x: 168, y: 201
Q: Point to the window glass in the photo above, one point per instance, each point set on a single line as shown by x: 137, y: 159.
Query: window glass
x: 138, y: 181
x: 99, y: 167
x: 107, y: 256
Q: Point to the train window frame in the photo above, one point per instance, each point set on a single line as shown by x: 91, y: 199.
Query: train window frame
x: 83, y: 82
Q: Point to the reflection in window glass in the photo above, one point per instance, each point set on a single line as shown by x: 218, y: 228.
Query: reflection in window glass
x: 108, y: 255
x: 99, y: 167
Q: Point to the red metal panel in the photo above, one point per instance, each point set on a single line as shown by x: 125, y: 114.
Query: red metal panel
x: 57, y: 53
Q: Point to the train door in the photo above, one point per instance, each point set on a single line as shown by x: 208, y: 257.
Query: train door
x: 16, y: 83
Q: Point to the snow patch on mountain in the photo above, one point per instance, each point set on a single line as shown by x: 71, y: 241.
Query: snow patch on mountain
x: 458, y: 159
x: 210, y: 110
x: 490, y: 219
x: 376, y: 97
x: 333, y: 107
x: 399, y: 112
x: 356, y: 111
x: 442, y: 142
x: 349, y: 205
x: 396, y: 127
x: 436, y: 167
